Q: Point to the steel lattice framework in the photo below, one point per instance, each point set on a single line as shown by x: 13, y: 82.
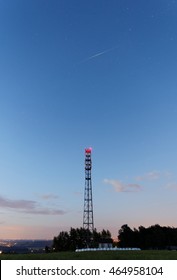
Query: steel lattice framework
x: 88, y: 202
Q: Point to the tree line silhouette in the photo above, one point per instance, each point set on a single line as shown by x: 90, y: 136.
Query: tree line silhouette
x: 153, y: 237
x: 80, y: 238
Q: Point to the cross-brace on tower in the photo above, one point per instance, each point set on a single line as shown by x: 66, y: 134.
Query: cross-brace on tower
x: 88, y: 203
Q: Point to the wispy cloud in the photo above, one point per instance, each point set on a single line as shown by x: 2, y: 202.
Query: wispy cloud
x: 98, y: 54
x: 153, y: 175
x: 28, y: 206
x: 78, y: 194
x: 121, y: 187
x: 48, y: 196
x: 172, y: 186
x: 45, y: 211
x: 17, y: 204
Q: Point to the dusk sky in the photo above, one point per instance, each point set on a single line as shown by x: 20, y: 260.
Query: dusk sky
x: 87, y: 73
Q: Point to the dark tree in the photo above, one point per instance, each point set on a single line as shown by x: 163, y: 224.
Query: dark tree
x: 105, y: 236
x: 153, y: 237
x: 80, y: 238
x: 61, y: 242
x: 127, y: 237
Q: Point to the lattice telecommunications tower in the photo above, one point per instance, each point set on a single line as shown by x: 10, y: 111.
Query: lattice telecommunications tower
x: 88, y: 203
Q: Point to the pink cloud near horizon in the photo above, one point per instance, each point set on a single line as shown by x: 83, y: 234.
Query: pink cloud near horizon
x: 28, y: 207
x: 121, y: 187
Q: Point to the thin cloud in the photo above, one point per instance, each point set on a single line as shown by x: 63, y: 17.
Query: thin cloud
x: 172, y: 186
x: 98, y: 54
x: 121, y: 187
x: 48, y: 196
x: 78, y: 193
x: 154, y: 175
x: 43, y: 211
x: 28, y: 207
x: 17, y: 204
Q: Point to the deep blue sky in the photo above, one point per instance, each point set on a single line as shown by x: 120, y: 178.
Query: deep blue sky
x: 87, y: 73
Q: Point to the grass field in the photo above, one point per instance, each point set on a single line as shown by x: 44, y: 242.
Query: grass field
x: 101, y: 255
